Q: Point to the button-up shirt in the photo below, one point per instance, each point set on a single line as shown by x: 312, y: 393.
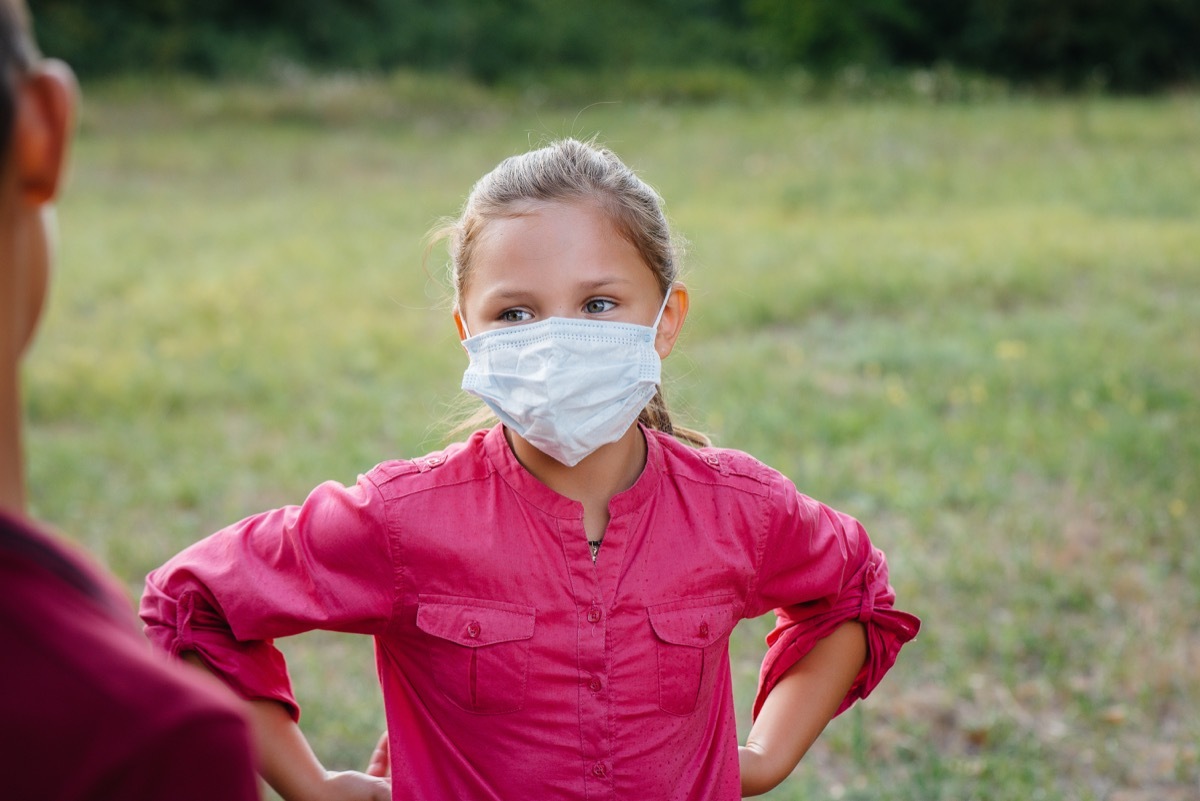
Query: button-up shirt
x: 512, y: 665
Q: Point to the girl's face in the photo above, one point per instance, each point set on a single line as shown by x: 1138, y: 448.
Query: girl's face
x: 562, y: 260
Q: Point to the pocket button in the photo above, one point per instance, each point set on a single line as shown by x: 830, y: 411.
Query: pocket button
x: 473, y: 629
x: 703, y: 630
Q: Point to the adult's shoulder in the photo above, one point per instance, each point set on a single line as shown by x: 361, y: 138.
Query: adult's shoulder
x: 158, y: 730
x: 81, y: 686
x: 192, y: 741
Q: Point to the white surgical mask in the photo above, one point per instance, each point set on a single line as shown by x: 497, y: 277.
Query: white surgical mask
x: 566, y: 386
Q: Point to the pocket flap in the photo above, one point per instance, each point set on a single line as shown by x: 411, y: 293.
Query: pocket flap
x: 698, y: 623
x: 474, y: 622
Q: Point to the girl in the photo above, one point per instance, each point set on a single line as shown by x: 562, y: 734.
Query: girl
x: 551, y: 599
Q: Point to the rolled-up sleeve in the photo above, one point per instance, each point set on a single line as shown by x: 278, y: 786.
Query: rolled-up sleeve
x: 326, y: 564
x: 818, y: 570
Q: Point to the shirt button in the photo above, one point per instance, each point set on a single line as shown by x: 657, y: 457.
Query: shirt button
x: 703, y: 629
x: 595, y: 685
x: 594, y: 615
x: 473, y: 629
x: 599, y: 770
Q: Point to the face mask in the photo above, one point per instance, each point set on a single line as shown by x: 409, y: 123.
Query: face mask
x: 566, y: 386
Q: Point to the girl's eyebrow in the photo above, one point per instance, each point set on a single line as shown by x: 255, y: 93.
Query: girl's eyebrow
x: 600, y: 283
x: 502, y: 294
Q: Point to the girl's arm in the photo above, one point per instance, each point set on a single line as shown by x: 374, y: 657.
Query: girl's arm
x: 799, y: 706
x: 326, y: 564
x: 288, y: 764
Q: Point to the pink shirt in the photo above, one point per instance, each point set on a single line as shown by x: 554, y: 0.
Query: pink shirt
x: 511, y: 665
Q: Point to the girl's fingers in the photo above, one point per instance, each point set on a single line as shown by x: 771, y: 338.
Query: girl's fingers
x: 381, y: 759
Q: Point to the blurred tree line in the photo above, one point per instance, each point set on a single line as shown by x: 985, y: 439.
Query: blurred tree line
x: 1126, y: 45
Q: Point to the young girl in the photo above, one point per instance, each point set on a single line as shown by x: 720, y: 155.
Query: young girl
x: 551, y: 600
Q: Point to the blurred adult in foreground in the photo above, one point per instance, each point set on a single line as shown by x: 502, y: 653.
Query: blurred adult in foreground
x: 87, y: 710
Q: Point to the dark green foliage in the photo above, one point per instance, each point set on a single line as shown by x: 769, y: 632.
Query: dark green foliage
x: 827, y: 35
x: 1125, y: 44
x: 1120, y: 44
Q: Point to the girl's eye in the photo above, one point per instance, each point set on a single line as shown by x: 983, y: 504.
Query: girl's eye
x: 513, y: 316
x: 598, y: 306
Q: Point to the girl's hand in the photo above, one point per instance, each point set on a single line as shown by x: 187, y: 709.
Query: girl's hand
x: 350, y: 785
x: 288, y: 764
x: 381, y: 759
x: 374, y: 785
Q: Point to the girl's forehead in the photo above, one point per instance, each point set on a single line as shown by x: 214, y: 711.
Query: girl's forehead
x: 553, y: 243
x: 550, y: 230
x: 550, y: 212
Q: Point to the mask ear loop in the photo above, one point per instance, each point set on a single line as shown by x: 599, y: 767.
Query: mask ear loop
x: 661, y: 309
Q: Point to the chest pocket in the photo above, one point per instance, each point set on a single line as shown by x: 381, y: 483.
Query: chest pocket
x: 478, y: 650
x: 691, y: 641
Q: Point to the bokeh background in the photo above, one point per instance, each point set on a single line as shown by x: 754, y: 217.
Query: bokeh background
x: 945, y: 264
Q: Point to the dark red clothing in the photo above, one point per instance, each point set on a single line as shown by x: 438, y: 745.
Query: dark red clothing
x: 87, y: 709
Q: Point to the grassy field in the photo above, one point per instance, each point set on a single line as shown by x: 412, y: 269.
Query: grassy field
x: 975, y: 326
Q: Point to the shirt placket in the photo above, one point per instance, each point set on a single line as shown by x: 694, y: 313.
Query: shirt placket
x: 591, y: 611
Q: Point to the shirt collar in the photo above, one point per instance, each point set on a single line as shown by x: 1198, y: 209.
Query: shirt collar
x: 498, y: 452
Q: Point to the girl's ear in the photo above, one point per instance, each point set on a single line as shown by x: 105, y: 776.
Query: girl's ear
x: 672, y: 320
x: 46, y: 100
x: 458, y: 321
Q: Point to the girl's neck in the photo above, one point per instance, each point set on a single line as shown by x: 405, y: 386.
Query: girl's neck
x: 609, y: 470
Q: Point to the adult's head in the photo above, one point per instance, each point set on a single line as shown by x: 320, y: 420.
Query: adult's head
x: 37, y: 104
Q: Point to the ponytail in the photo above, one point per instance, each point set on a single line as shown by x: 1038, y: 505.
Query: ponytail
x: 656, y: 416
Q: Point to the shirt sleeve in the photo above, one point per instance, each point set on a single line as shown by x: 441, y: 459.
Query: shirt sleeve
x: 818, y: 570
x: 325, y: 564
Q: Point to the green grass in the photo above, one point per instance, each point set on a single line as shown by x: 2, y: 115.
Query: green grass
x: 973, y: 325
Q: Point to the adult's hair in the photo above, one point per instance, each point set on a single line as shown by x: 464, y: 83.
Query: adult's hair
x: 18, y: 53
x: 569, y: 171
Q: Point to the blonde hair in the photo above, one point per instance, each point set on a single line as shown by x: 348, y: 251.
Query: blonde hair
x: 567, y: 171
